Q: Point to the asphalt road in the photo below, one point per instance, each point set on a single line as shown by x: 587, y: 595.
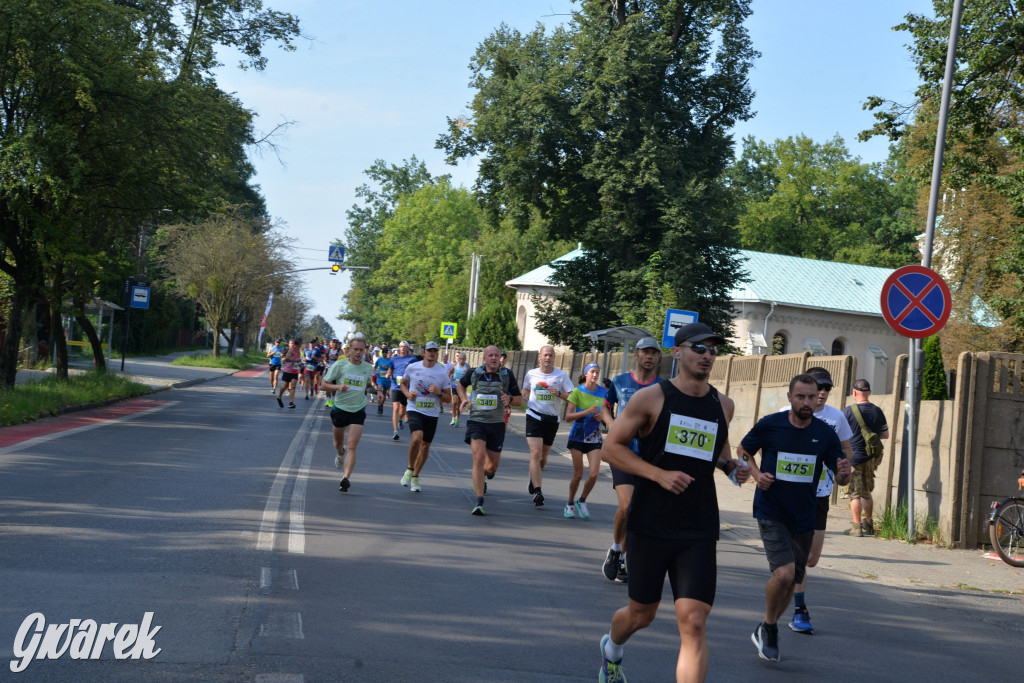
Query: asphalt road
x: 220, y: 513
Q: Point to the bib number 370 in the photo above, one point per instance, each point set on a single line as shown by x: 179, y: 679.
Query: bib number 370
x: 691, y: 437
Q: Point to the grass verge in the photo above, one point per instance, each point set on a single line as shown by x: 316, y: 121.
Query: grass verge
x: 33, y: 400
x: 207, y: 360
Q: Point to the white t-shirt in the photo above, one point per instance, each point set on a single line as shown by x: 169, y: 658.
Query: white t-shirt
x: 835, y: 419
x: 545, y: 401
x: 420, y: 378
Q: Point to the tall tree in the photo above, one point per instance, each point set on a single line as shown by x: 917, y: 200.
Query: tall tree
x: 815, y: 200
x: 614, y: 128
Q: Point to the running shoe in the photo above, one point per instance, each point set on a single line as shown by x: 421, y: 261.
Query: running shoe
x: 611, y: 564
x: 581, y: 510
x: 456, y: 422
x: 489, y: 475
x: 329, y: 403
x: 623, y: 575
x: 291, y: 406
x: 801, y: 621
x: 395, y: 437
x: 414, y: 485
x: 452, y: 423
x: 479, y: 510
x: 307, y: 396
x: 867, y: 527
x: 766, y: 639
x: 380, y: 410
x: 569, y: 512
x: 339, y: 460
x: 406, y: 477
x: 343, y: 487
x: 401, y: 423
x: 538, y: 498
x: 280, y: 403
x: 611, y: 672
x: 530, y: 488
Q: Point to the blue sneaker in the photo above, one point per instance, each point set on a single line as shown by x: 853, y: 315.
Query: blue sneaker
x: 801, y: 621
x: 611, y: 672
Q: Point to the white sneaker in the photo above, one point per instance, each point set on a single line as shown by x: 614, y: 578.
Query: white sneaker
x: 339, y: 460
x: 581, y: 510
x: 570, y: 512
x: 414, y: 485
x: 407, y: 477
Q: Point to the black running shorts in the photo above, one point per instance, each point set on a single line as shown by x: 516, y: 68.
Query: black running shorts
x: 542, y: 429
x: 692, y: 568
x: 492, y: 433
x: 619, y: 477
x: 398, y: 397
x: 418, y: 422
x: 782, y: 547
x: 821, y: 513
x: 343, y: 418
x: 584, y: 447
x: 289, y: 377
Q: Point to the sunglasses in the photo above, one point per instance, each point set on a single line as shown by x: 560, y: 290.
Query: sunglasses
x: 701, y: 349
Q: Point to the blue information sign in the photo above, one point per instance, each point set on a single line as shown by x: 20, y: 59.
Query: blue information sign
x: 674, y: 319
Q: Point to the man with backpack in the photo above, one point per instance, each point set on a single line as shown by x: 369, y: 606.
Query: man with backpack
x: 867, y: 422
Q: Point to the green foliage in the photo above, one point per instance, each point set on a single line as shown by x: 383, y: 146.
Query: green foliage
x: 813, y: 200
x: 933, y: 379
x: 318, y: 328
x: 614, y: 130
x: 893, y: 524
x: 33, y: 400
x: 208, y: 360
x: 584, y: 304
x: 494, y: 325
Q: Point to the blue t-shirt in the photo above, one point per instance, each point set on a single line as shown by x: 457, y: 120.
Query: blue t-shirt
x: 275, y: 355
x: 382, y: 366
x: 400, y: 363
x: 622, y: 389
x: 795, y: 457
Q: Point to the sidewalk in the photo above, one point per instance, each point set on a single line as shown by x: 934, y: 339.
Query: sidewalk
x: 153, y: 371
x: 868, y: 559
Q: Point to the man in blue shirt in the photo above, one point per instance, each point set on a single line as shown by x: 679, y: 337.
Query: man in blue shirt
x: 794, y: 447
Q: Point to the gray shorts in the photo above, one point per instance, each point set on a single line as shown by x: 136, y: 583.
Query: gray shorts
x: 782, y: 547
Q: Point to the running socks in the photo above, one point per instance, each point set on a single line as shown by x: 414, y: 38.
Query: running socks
x: 612, y: 652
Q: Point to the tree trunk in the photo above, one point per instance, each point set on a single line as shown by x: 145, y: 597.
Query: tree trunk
x: 30, y: 335
x: 58, y: 340
x: 215, y: 324
x: 9, y: 349
x: 94, y: 339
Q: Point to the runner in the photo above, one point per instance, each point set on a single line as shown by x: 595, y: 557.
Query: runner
x: 648, y: 355
x: 398, y: 401
x: 459, y: 370
x: 274, y: 354
x: 673, y: 525
x: 291, y: 368
x: 586, y: 410
x: 794, y: 447
x: 333, y: 352
x: 835, y: 419
x: 426, y: 386
x: 349, y: 378
x: 382, y: 367
x: 542, y: 389
x: 310, y: 364
x: 494, y: 387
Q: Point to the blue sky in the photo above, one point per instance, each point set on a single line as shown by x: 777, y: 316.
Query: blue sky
x: 378, y: 79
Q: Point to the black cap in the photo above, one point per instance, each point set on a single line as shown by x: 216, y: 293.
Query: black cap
x: 821, y: 376
x: 862, y: 385
x: 696, y: 332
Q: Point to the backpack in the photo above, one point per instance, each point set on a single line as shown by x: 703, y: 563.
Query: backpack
x: 872, y: 443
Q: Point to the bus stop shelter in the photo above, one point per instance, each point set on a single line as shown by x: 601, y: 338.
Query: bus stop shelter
x: 613, y: 336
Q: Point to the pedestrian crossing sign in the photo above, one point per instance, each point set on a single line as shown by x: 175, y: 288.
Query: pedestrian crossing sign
x: 448, y: 330
x: 336, y: 254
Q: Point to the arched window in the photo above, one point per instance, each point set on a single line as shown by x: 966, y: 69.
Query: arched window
x: 779, y: 343
x: 838, y: 347
x: 521, y: 324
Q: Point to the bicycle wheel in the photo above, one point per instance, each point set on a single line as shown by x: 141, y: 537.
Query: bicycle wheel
x: 1006, y: 531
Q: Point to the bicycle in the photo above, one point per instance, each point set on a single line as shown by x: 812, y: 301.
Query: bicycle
x: 1006, y: 528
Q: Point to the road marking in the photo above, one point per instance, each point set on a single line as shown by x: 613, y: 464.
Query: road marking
x: 290, y: 580
x: 283, y: 625
x: 271, y: 512
x: 50, y: 430
x: 279, y: 678
x: 265, y: 575
x: 297, y: 509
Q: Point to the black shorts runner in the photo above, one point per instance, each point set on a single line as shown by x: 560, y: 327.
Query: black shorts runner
x: 821, y: 513
x: 418, y: 422
x: 492, y: 433
x: 782, y: 547
x: 619, y: 477
x: 584, y: 447
x: 398, y: 397
x: 343, y: 418
x: 289, y: 377
x: 692, y: 568
x: 545, y: 428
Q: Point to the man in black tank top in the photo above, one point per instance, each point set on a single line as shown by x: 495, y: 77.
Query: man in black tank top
x: 683, y: 428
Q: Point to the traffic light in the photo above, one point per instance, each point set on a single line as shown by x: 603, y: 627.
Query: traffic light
x: 335, y: 268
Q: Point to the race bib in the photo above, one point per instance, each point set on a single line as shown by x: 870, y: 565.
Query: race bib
x: 426, y: 402
x: 543, y: 395
x: 354, y: 381
x: 795, y: 467
x: 691, y: 437
x: 398, y: 380
x: 486, y: 401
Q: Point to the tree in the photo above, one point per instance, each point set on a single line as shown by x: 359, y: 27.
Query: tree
x: 933, y: 378
x: 614, y: 129
x: 813, y: 200
x: 317, y: 327
x: 494, y: 325
x: 585, y: 302
x: 225, y: 263
x: 365, y: 304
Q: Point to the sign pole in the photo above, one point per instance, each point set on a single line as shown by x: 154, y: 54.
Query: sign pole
x: 911, y: 403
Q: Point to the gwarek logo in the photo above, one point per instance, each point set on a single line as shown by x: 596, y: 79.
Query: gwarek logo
x: 81, y: 639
